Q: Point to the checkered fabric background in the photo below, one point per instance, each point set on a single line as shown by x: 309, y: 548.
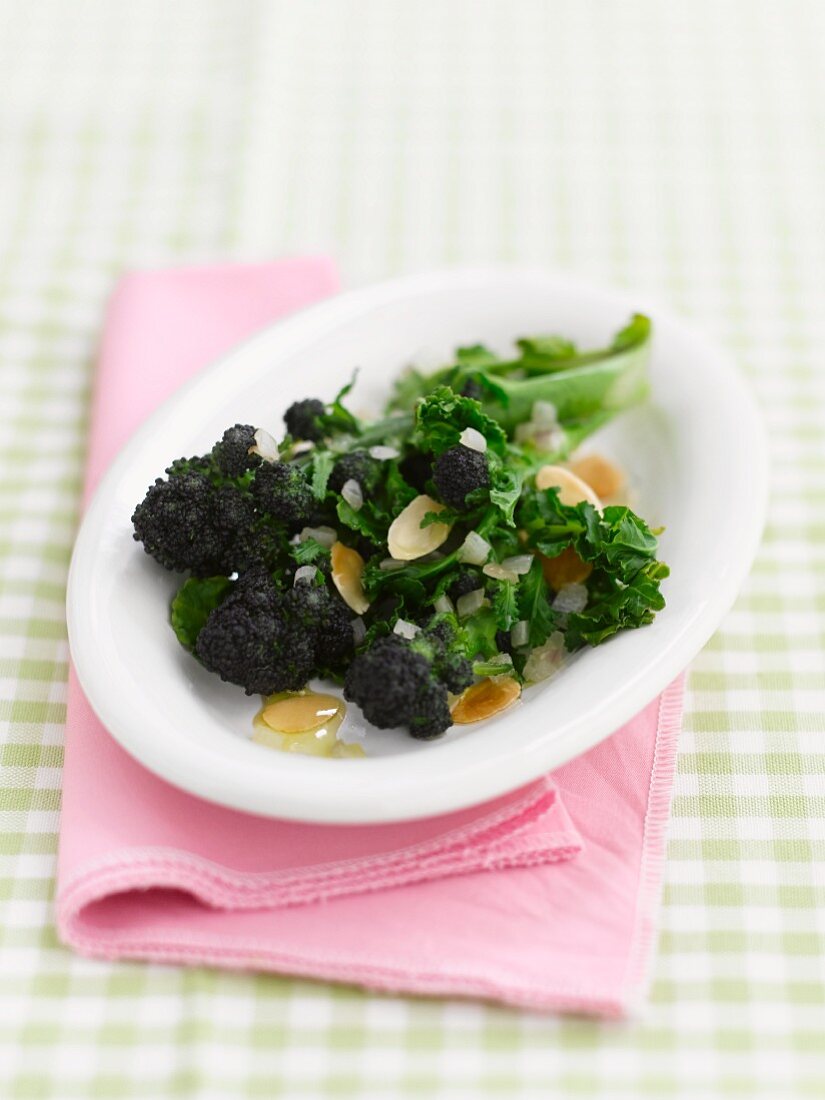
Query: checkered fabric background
x: 670, y: 146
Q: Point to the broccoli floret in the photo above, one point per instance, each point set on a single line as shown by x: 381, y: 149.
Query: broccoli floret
x: 281, y: 491
x: 395, y: 686
x: 301, y: 419
x: 473, y: 389
x: 325, y: 618
x: 357, y: 466
x: 187, y: 523
x: 405, y: 682
x: 468, y: 580
x: 252, y: 640
x: 458, y: 472
x: 416, y: 469
x: 231, y: 454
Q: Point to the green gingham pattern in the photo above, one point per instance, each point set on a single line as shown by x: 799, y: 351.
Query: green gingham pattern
x: 674, y: 147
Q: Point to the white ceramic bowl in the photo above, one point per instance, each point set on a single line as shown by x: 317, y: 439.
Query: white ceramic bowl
x: 696, y: 454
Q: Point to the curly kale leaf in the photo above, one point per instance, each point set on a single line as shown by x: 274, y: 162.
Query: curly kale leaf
x: 192, y: 605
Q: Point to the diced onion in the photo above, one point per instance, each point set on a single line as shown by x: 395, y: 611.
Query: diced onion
x: 325, y: 536
x: 519, y: 563
x: 301, y: 447
x: 550, y: 440
x: 545, y: 414
x: 444, y: 605
x: 382, y: 453
x: 405, y: 629
x: 499, y: 573
x: 545, y: 660
x: 390, y: 564
x: 571, y: 599
x: 359, y: 630
x: 473, y: 439
x: 265, y: 446
x: 474, y: 550
x: 304, y: 573
x: 470, y: 603
x: 351, y: 492
x: 520, y: 634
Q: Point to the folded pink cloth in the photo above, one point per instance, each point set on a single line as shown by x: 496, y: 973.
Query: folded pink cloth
x: 545, y: 897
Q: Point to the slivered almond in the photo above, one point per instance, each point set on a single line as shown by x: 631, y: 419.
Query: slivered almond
x: 347, y: 576
x: 604, y: 477
x: 407, y: 539
x: 572, y: 490
x: 566, y: 568
x: 484, y: 699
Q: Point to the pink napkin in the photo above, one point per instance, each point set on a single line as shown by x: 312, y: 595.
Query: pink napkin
x: 545, y: 897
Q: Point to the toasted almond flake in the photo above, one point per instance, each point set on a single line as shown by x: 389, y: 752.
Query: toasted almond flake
x: 265, y: 446
x: 382, y: 453
x: 484, y: 699
x: 351, y: 492
x: 572, y: 490
x: 473, y: 439
x: 301, y: 712
x: 347, y: 576
x: 407, y: 539
x: 604, y: 477
x: 566, y: 568
x: 499, y: 573
x: 519, y: 563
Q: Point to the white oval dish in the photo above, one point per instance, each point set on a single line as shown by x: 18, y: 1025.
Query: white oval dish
x: 696, y: 455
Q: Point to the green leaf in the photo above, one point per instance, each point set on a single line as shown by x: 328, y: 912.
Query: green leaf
x: 534, y: 605
x: 322, y: 464
x: 506, y: 489
x: 192, y: 605
x: 442, y: 416
x: 625, y: 607
x: 505, y: 604
x: 309, y: 551
x: 363, y: 520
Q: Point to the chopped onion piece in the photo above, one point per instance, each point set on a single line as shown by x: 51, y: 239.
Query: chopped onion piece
x: 304, y: 573
x: 351, y: 492
x: 545, y: 660
x: 406, y: 629
x: 390, y: 564
x: 520, y: 634
x: 474, y: 550
x: 525, y: 431
x: 470, y: 603
x: 499, y: 573
x: 550, y: 440
x: 571, y: 599
x: 519, y: 563
x: 359, y: 630
x: 301, y: 447
x: 325, y: 536
x: 473, y: 439
x: 265, y: 446
x: 382, y: 453
x: 444, y: 605
x: 544, y: 414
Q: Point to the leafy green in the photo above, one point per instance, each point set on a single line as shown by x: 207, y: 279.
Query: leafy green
x: 322, y: 464
x: 309, y: 551
x: 534, y: 605
x: 505, y: 604
x: 192, y: 605
x: 442, y: 416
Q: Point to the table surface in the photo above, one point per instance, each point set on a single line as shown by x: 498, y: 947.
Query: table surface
x: 676, y: 148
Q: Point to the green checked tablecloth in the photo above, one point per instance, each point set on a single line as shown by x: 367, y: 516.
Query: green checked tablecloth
x: 673, y: 147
